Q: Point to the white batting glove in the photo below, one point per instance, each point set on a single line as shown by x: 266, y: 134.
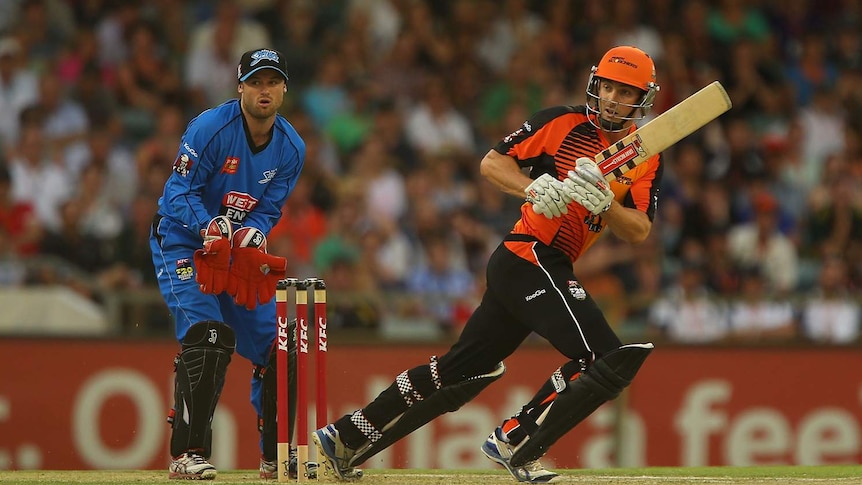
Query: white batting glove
x: 548, y: 196
x: 588, y: 187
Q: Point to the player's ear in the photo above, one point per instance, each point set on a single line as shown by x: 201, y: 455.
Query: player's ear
x: 239, y: 88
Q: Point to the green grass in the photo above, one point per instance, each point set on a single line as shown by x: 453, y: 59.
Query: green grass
x: 793, y: 475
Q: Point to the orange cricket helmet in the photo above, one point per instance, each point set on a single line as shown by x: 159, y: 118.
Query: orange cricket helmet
x: 628, y: 65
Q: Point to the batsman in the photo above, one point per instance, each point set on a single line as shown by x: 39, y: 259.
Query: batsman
x: 531, y: 286
x: 237, y: 164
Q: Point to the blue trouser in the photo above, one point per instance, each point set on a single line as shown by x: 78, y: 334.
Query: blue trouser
x: 173, y: 248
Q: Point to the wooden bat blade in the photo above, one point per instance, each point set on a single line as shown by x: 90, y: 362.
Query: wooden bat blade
x: 666, y: 129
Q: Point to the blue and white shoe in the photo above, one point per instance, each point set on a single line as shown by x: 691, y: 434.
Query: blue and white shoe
x: 499, y: 451
x: 335, y: 455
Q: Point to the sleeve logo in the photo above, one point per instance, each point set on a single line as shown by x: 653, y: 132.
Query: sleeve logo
x: 183, y: 164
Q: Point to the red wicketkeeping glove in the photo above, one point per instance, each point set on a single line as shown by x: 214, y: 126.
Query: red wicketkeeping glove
x: 253, y: 276
x: 212, y: 266
x: 213, y: 260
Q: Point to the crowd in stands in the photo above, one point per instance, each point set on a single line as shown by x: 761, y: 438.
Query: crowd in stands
x: 758, y: 234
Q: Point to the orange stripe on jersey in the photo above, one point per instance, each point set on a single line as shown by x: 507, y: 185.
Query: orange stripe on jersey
x: 522, y: 249
x: 551, y: 142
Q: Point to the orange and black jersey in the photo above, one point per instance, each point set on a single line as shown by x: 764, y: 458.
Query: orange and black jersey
x: 550, y: 142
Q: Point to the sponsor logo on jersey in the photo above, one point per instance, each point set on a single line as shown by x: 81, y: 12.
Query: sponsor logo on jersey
x: 231, y: 165
x: 183, y: 164
x: 185, y: 271
x: 190, y: 149
x: 268, y: 175
x: 237, y: 205
x: 540, y: 291
x: 577, y: 291
x: 593, y: 222
x: 525, y: 127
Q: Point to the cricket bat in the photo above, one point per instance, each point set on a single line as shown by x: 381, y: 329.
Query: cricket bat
x: 664, y: 130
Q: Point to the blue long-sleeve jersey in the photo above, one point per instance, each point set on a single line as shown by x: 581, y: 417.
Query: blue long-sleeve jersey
x: 218, y: 171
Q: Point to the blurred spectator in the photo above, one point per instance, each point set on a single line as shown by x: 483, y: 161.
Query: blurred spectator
x: 38, y: 180
x: 301, y: 228
x: 355, y: 302
x: 811, y: 69
x: 389, y: 127
x: 65, y: 123
x: 99, y: 214
x: 381, y: 184
x: 155, y: 154
x: 347, y: 221
x: 382, y: 20
x: 145, y: 81
x: 513, y: 26
x: 81, y: 53
x: 296, y: 35
x: 688, y: 312
x: 755, y: 316
x: 440, y: 282
x: 478, y: 240
x: 822, y: 129
x: 831, y: 314
x: 117, y: 163
x: 327, y: 95
x: 68, y: 242
x: 114, y: 23
x: 434, y: 124
x: 517, y: 87
x: 348, y: 129
x: 388, y: 254
x: 834, y: 223
x: 19, y: 88
x: 20, y: 228
x: 733, y: 20
x: 45, y: 25
x: 629, y: 21
x: 760, y: 244
x: 210, y: 72
x: 132, y: 261
x: 12, y: 270
x: 400, y: 74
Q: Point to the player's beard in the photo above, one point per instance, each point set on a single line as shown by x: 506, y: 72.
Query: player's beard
x: 261, y: 113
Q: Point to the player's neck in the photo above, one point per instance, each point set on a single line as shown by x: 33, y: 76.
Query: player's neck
x: 259, y: 129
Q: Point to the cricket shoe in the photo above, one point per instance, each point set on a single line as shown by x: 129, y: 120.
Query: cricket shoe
x: 499, y: 451
x: 191, y: 466
x: 269, y: 469
x: 337, y: 456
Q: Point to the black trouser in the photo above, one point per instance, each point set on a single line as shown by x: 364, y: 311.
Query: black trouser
x: 539, y: 295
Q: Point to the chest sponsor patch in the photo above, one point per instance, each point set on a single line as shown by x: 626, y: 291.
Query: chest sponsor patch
x: 231, y: 165
x: 237, y: 205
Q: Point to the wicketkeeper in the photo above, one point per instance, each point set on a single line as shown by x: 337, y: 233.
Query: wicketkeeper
x: 236, y: 166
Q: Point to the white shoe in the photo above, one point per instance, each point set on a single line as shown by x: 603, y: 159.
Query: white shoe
x: 500, y: 452
x: 336, y: 455
x: 268, y: 469
x: 191, y: 466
